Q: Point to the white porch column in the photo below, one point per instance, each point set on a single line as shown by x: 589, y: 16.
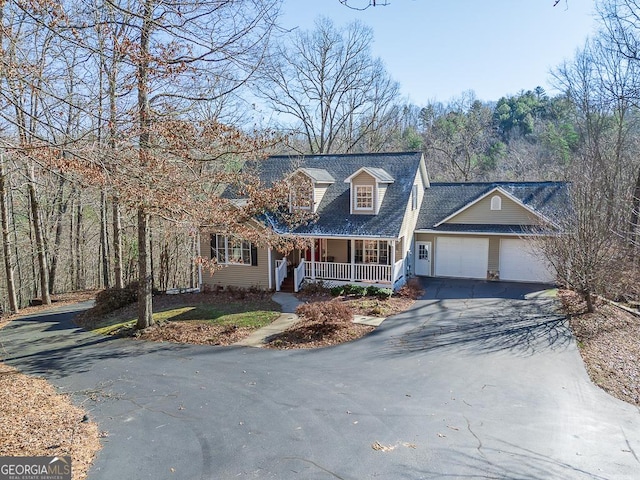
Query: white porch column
x: 353, y: 260
x: 393, y: 259
x: 270, y: 260
x: 313, y: 260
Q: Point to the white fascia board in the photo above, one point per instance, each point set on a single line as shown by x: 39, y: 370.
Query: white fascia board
x: 484, y: 234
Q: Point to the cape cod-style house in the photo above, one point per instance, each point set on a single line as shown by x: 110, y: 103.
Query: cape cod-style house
x: 379, y: 220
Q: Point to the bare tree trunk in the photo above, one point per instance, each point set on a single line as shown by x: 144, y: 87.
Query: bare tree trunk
x: 104, y: 240
x: 43, y: 269
x: 635, y: 212
x: 145, y: 307
x: 72, y: 244
x: 192, y: 266
x: 80, y: 277
x: 145, y: 292
x: 117, y: 244
x: 60, y: 209
x: 6, y: 239
x: 16, y: 252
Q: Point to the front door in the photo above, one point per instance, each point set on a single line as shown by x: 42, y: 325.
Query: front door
x: 423, y: 258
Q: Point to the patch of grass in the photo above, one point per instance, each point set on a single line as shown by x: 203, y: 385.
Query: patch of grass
x: 109, y: 328
x: 255, y: 313
x: 241, y: 314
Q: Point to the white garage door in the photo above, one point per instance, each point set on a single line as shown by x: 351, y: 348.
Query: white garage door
x: 520, y: 263
x: 462, y: 257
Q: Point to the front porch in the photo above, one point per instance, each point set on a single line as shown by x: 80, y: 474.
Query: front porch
x: 372, y: 262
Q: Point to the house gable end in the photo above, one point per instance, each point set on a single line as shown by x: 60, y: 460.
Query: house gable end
x: 511, y: 211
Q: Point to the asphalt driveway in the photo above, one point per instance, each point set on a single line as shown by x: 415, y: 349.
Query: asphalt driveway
x: 478, y: 380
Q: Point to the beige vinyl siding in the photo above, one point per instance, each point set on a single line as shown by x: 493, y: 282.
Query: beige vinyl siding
x: 400, y: 249
x: 244, y: 276
x: 411, y: 215
x: 425, y: 237
x: 318, y: 193
x: 494, y: 254
x: 382, y: 190
x: 362, y: 179
x: 337, y: 248
x: 510, y: 214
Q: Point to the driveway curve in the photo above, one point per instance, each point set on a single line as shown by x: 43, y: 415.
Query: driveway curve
x: 477, y: 380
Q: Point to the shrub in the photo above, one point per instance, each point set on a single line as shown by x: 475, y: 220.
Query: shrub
x: 372, y: 291
x: 112, y: 299
x: 238, y: 293
x: 334, y: 311
x: 357, y: 290
x: 384, y: 293
x: 337, y: 291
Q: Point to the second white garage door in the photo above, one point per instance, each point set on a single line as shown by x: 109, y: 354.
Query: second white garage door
x: 461, y: 257
x: 519, y: 262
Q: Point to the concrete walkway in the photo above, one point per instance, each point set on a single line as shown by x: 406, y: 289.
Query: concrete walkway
x: 289, y: 304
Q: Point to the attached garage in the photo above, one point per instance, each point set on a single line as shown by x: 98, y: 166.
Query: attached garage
x: 461, y: 257
x: 520, y: 263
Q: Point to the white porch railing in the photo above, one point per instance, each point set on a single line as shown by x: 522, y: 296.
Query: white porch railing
x: 281, y: 272
x: 372, y: 273
x: 362, y: 272
x: 298, y: 275
x: 329, y: 270
x: 398, y: 277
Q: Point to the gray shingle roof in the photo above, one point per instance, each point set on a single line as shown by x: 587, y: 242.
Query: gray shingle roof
x: 318, y: 175
x: 380, y: 174
x: 334, y: 218
x: 549, y: 199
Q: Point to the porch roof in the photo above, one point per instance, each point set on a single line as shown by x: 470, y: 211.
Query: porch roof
x: 333, y: 213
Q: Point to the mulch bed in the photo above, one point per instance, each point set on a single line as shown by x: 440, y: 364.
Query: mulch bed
x: 609, y: 341
x: 312, y: 334
x: 308, y: 333
x: 197, y: 333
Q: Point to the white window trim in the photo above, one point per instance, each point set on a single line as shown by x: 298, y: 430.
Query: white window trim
x: 496, y: 203
x: 227, y: 250
x: 355, y: 198
x: 381, y: 246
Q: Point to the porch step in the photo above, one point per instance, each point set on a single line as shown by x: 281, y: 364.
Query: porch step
x: 287, y: 285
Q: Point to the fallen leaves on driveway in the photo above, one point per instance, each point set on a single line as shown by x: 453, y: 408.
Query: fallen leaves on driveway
x: 389, y: 448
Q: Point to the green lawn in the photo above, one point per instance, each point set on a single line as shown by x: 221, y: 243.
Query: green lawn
x: 253, y: 313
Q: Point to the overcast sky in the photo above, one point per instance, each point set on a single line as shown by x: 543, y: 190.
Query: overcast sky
x: 438, y: 49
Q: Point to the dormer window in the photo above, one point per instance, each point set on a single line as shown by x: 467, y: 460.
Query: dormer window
x: 496, y: 202
x: 364, y: 197
x: 368, y: 186
x: 307, y: 186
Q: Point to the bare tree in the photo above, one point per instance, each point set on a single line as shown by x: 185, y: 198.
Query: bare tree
x: 590, y: 253
x: 620, y: 20
x: 329, y: 86
x: 460, y: 139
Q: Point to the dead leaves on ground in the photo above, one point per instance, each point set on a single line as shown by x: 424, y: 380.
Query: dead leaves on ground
x: 37, y: 421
